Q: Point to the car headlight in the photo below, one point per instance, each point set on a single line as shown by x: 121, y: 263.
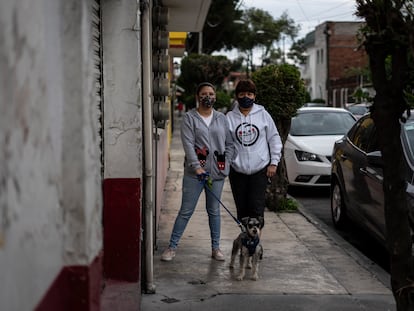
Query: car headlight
x: 306, y: 156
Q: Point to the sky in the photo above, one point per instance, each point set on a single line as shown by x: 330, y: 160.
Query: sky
x: 306, y: 13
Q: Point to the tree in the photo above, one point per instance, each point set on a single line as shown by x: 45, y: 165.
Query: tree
x: 219, y: 31
x: 297, y: 51
x: 197, y: 68
x: 261, y: 30
x: 227, y: 27
x: 281, y: 90
x: 389, y: 34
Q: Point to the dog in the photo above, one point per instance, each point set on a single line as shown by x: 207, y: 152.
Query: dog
x: 248, y: 245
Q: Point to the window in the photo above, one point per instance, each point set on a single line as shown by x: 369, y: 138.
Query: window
x: 364, y: 137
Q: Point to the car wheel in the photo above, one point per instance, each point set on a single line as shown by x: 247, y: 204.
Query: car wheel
x: 338, y: 209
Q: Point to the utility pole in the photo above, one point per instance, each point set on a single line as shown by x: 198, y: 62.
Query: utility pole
x: 327, y: 33
x: 200, y: 42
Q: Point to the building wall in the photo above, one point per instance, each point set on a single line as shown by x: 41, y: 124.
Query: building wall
x: 344, y: 52
x: 122, y: 89
x: 50, y: 184
x: 320, y: 62
x: 123, y: 140
x: 69, y: 213
x: 345, y: 56
x: 336, y: 58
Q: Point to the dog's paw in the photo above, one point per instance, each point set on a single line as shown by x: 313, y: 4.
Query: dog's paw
x: 239, y: 278
x: 255, y: 277
x: 249, y: 263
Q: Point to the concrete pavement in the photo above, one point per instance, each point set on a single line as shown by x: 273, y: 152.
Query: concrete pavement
x: 306, y: 265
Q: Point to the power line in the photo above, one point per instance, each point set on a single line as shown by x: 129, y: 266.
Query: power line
x: 303, y: 12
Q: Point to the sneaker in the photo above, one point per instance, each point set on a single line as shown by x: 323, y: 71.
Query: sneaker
x: 217, y: 254
x: 168, y: 254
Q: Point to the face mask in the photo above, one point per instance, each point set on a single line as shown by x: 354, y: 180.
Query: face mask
x: 206, y: 101
x: 245, y: 102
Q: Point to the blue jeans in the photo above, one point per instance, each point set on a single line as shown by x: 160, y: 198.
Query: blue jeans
x: 192, y: 189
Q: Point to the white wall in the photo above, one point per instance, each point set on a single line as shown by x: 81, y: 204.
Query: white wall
x: 50, y: 187
x: 321, y: 66
x: 122, y: 85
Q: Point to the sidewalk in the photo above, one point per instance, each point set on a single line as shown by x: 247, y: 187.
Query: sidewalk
x: 306, y: 265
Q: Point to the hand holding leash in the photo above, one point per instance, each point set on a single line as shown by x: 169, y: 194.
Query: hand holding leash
x: 205, y: 179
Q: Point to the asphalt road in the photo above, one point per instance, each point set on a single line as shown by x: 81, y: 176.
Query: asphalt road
x: 317, y: 203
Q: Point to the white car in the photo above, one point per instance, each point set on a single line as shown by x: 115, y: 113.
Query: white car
x: 308, y: 148
x: 358, y: 110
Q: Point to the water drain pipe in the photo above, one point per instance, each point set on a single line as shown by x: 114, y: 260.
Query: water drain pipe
x: 146, y: 48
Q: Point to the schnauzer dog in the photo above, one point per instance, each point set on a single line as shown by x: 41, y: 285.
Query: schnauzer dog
x: 249, y: 247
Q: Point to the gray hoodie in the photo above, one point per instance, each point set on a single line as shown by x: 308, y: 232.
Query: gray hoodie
x: 256, y: 139
x: 210, y: 147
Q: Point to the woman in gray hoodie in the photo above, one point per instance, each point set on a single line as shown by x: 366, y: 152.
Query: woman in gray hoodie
x: 208, y: 148
x: 258, y: 151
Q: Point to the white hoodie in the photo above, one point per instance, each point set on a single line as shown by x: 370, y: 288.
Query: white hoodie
x: 257, y: 141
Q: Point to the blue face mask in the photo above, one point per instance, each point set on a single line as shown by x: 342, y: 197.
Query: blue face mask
x: 245, y: 102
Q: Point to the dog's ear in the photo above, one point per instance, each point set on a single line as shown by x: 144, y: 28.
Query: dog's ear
x: 245, y: 220
x: 261, y: 220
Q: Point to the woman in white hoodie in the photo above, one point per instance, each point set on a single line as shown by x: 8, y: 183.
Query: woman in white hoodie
x: 257, y: 151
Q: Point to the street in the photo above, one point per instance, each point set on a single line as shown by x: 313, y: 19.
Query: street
x: 317, y: 202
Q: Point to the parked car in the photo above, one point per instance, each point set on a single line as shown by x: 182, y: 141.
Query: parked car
x: 357, y: 176
x: 314, y: 105
x: 358, y: 110
x: 308, y: 148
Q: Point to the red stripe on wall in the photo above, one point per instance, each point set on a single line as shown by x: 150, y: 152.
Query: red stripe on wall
x: 75, y: 288
x: 122, y: 229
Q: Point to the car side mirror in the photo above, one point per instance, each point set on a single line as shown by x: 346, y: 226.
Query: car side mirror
x: 375, y: 159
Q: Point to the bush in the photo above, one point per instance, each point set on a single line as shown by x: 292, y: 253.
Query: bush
x: 223, y: 100
x: 286, y: 205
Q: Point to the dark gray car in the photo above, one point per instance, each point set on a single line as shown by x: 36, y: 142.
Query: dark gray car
x: 357, y: 176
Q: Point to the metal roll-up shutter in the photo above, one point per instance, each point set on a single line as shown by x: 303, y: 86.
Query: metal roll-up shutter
x: 98, y: 69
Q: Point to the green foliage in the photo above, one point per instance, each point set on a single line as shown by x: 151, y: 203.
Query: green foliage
x: 280, y: 89
x: 197, y: 68
x: 219, y: 31
x: 360, y: 96
x: 388, y: 38
x: 286, y: 205
x: 297, y: 51
x: 228, y: 27
x: 223, y: 100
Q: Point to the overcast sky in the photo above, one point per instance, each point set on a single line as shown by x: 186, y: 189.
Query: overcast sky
x: 307, y: 13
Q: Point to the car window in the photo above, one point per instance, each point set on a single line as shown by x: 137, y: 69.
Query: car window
x: 364, y: 136
x: 408, y: 139
x: 360, y: 110
x: 321, y: 123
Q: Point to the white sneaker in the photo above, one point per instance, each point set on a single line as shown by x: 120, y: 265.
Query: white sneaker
x: 168, y: 254
x: 217, y: 254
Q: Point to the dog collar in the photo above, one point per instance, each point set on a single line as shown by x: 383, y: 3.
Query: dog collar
x: 250, y: 244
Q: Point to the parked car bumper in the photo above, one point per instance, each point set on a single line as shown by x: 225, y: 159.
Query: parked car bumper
x: 308, y: 173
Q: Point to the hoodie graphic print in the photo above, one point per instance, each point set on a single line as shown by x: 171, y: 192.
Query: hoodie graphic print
x: 257, y: 141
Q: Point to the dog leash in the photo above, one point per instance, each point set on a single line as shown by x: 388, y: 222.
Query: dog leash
x: 204, y: 179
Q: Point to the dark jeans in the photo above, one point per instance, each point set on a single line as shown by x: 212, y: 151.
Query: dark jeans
x: 249, y: 193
